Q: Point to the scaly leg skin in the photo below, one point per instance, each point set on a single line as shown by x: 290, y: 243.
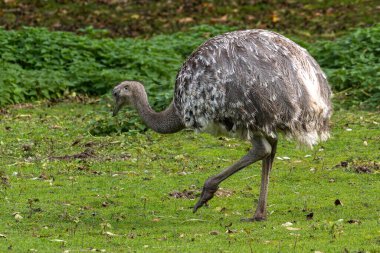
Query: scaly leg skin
x: 261, y: 211
x: 261, y: 149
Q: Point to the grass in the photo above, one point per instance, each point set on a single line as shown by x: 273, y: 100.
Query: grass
x: 63, y: 190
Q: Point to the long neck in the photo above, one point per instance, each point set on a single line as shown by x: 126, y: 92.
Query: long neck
x: 164, y: 122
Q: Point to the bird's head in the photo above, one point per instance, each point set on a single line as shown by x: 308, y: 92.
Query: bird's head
x: 125, y: 94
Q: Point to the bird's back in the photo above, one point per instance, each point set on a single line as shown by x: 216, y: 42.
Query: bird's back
x: 254, y: 82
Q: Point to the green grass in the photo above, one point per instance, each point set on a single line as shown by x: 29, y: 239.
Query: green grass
x: 117, y: 199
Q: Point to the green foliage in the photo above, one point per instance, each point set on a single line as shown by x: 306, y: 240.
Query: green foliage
x: 352, y: 63
x: 37, y: 63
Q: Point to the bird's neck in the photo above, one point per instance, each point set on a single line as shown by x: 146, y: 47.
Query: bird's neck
x: 164, y: 122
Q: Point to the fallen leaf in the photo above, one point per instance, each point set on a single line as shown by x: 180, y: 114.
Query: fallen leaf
x: 250, y: 17
x: 275, y: 17
x: 3, y: 236
x: 135, y: 16
x: 24, y: 116
x: 293, y: 229
x: 57, y: 240
x: 221, y: 19
x: 179, y: 157
x: 156, y: 219
x: 338, y: 202
x: 231, y: 231
x: 185, y: 20
x: 109, y: 234
x: 55, y: 127
x: 18, y: 217
x: 214, y: 232
x: 191, y: 220
x: 287, y: 224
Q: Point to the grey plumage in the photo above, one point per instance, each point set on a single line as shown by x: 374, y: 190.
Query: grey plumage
x: 251, y: 84
x: 255, y: 81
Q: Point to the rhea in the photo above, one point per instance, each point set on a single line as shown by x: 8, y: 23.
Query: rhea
x: 251, y: 84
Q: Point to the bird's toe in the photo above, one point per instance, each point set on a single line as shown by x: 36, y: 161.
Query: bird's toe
x: 206, y: 195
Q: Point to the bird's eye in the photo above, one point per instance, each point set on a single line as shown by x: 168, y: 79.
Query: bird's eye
x: 126, y: 88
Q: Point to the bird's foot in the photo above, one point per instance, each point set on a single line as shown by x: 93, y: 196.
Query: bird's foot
x: 206, y: 195
x: 258, y: 218
x: 260, y: 215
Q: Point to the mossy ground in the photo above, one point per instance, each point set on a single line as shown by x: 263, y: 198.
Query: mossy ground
x: 64, y: 190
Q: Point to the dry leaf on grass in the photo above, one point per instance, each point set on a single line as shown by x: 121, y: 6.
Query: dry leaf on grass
x: 287, y: 224
x: 293, y: 229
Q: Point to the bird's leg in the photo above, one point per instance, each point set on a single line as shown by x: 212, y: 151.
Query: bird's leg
x: 261, y: 149
x: 261, y: 210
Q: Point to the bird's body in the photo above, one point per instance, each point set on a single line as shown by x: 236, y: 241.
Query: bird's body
x: 251, y: 84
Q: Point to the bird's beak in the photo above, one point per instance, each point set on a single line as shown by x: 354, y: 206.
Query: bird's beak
x: 116, y: 109
x: 118, y: 104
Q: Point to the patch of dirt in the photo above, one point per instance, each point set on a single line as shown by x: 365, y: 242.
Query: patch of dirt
x: 71, y: 98
x: 185, y: 194
x: 89, y: 144
x: 365, y: 168
x: 193, y: 194
x: 87, y: 153
x: 3, y: 111
x: 135, y: 18
x: 354, y: 221
x: 4, y: 180
x: 23, y: 106
x: 224, y: 193
x: 360, y: 166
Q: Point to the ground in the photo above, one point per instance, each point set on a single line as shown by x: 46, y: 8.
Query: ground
x: 305, y: 19
x: 63, y: 189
